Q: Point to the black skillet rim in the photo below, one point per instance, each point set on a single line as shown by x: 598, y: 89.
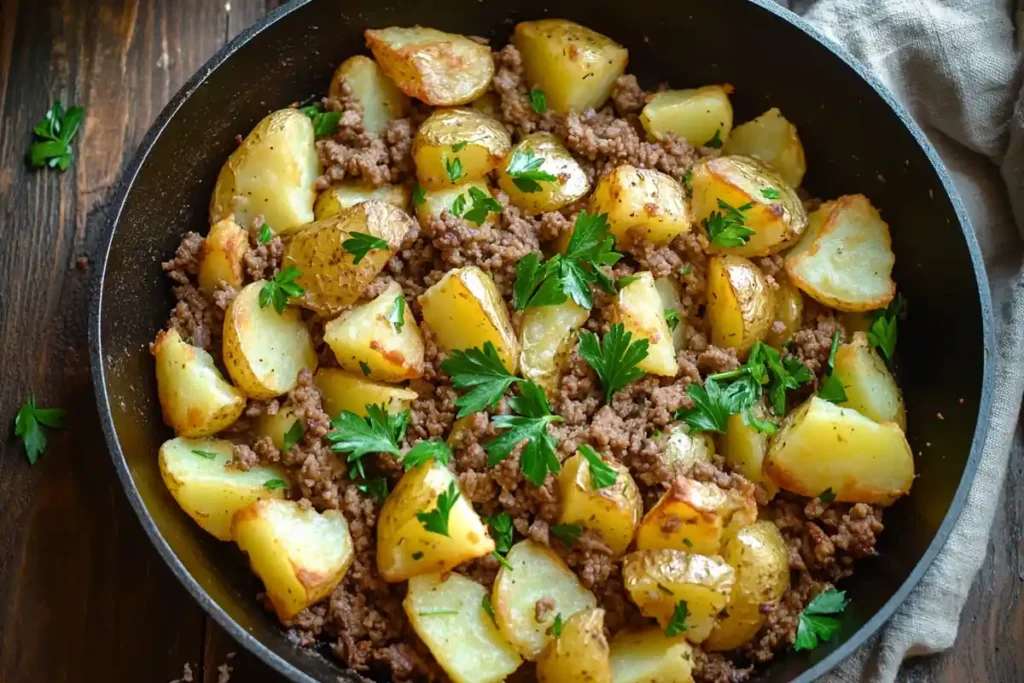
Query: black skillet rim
x: 284, y: 667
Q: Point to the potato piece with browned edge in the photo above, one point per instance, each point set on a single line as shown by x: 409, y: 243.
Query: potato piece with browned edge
x: 822, y: 446
x: 546, y: 339
x: 744, y: 447
x: 299, y: 554
x: 638, y: 307
x: 329, y: 272
x: 201, y: 477
x: 684, y: 449
x: 264, y: 350
x: 536, y: 573
x: 380, y: 98
x: 844, y: 259
x: 277, y: 425
x: 437, y: 201
x: 760, y: 559
x: 477, y: 141
x: 765, y: 202
x: 335, y: 199
x: 698, y: 115
x: 405, y: 547
x: 614, y: 511
x: 741, y: 308
x: 465, y: 310
x: 789, y: 310
x: 695, y: 516
x: 344, y: 391
x: 668, y: 290
x: 368, y: 338
x: 649, y: 656
x: 446, y: 611
x: 271, y: 174
x: 870, y: 387
x: 772, y: 139
x: 441, y: 69
x: 222, y: 254
x: 574, y: 66
x: 580, y: 654
x: 642, y: 204
x: 570, y: 179
x: 195, y: 398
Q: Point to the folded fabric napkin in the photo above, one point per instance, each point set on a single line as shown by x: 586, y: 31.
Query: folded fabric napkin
x: 955, y: 65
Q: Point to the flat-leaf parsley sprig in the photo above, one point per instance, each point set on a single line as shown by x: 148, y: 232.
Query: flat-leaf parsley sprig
x: 481, y: 371
x: 379, y: 432
x: 424, y: 452
x: 882, y: 332
x: 831, y: 387
x: 54, y: 134
x: 817, y: 622
x: 725, y: 227
x: 615, y: 358
x: 359, y: 244
x: 436, y: 520
x: 529, y: 425
x: 28, y: 426
x: 279, y: 290
x: 524, y: 170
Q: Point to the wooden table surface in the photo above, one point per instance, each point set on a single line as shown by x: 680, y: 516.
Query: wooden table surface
x: 83, y: 597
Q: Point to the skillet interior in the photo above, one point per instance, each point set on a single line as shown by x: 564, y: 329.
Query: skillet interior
x: 854, y: 142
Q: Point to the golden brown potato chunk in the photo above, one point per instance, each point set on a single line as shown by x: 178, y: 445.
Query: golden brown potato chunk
x: 698, y: 115
x: 614, y: 510
x: 639, y: 308
x: 773, y: 139
x: 346, y: 391
x: 870, y: 387
x: 546, y: 339
x: 580, y: 654
x: 642, y: 204
x: 335, y: 199
x: 741, y: 308
x: 475, y: 141
x: 570, y: 179
x: 695, y: 516
x: 223, y: 251
x: 649, y: 656
x: 380, y: 98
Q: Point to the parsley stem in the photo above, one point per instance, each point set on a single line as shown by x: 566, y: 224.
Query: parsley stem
x: 738, y: 372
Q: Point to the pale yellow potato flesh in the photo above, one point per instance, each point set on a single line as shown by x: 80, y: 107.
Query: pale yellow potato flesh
x: 696, y: 114
x: 344, y: 391
x: 740, y: 304
x: 380, y: 98
x: 649, y: 656
x: 844, y: 259
x: 441, y: 69
x: 822, y: 446
x: 571, y: 180
x: 580, y: 654
x: 744, y: 447
x: 772, y: 139
x: 335, y: 199
x: 271, y: 174
x: 789, y: 310
x: 446, y: 611
x: 695, y: 516
x: 465, y: 310
x: 221, y: 256
x: 264, y: 350
x: 277, y: 425
x: 638, y: 307
x: 870, y: 388
x: 195, y: 399
x: 668, y: 290
x: 547, y: 337
x: 642, y: 204
x: 437, y: 201
x: 537, y: 573
x: 365, y: 336
x: 299, y: 554
x: 209, y: 489
x: 574, y: 66
x: 614, y: 511
x: 683, y: 449
x: 481, y: 140
x: 405, y: 548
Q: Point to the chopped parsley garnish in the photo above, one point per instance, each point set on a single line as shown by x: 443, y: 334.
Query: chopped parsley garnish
x: 396, y: 316
x: 436, y: 520
x: 437, y: 612
x: 726, y: 228
x: 324, y: 122
x: 485, y: 602
x: 538, y: 101
x: 827, y: 496
x: 677, y: 624
x: 364, y: 368
x: 524, y: 170
x: 208, y: 455
x: 292, y: 436
x: 615, y: 358
x: 377, y: 488
x: 265, y: 234
x: 424, y: 452
x: 556, y: 627
x: 54, y: 134
x: 688, y: 180
x: 483, y: 373
x: 502, y: 533
x: 781, y: 374
x: 602, y: 475
x: 688, y: 543
x: 459, y: 146
x: 529, y: 425
x: 568, y: 534
x: 686, y: 270
x: 816, y: 625
x: 672, y: 318
x: 273, y: 484
x: 482, y: 206
x: 379, y: 432
x: 882, y: 332
x: 359, y: 244
x: 831, y: 387
x: 626, y: 281
x: 28, y: 425
x: 714, y: 403
x: 453, y: 167
x: 716, y: 140
x: 459, y: 205
x: 281, y: 288
x: 419, y: 195
x: 770, y: 193
x: 418, y: 555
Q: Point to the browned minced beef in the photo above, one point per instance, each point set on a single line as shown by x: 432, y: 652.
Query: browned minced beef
x: 262, y: 261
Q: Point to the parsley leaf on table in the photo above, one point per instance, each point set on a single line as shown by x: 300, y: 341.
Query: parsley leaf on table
x: 272, y: 484
x: 831, y: 387
x: 437, y: 519
x: 424, y: 452
x: 726, y: 228
x: 883, y: 329
x: 292, y: 436
x: 530, y: 424
x: 677, y: 624
x: 815, y: 625
x: 524, y: 170
x: 602, y: 475
x: 359, y: 244
x: 716, y: 140
x: 379, y: 432
x: 483, y: 372
x: 538, y: 100
x: 54, y: 133
x: 482, y: 206
x: 453, y: 167
x: 28, y: 426
x: 614, y: 358
x: 377, y: 488
x: 265, y: 234
x: 568, y: 534
x: 281, y: 288
x: 396, y: 316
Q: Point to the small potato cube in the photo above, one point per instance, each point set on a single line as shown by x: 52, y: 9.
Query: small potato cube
x: 639, y: 308
x: 580, y: 654
x: 437, y: 201
x: 698, y: 115
x: 695, y: 516
x: 368, y: 336
x: 195, y: 398
x: 613, y: 511
x: 299, y: 554
x: 772, y: 139
x: 683, y: 450
x: 465, y: 310
x: 658, y: 580
x: 381, y: 100
x: 574, y: 66
x: 823, y: 446
x: 277, y: 425
x: 870, y: 387
x: 264, y: 350
x: 334, y: 200
x: 649, y: 656
x: 668, y: 290
x: 741, y: 308
x: 344, y: 391
x: 477, y: 141
x: 201, y: 477
x: 546, y: 340
x: 222, y: 254
x: 789, y: 310
x: 642, y: 205
x: 571, y: 180
x: 406, y: 548
x: 744, y: 447
x: 441, y: 69
x: 446, y: 611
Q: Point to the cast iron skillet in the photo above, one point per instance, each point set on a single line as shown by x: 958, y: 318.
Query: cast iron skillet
x: 857, y: 140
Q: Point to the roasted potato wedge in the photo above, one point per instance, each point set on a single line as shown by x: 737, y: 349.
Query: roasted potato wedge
x: 649, y: 656
x: 658, y: 580
x: 477, y: 141
x: 344, y: 391
x: 222, y: 254
x: 406, y: 548
x: 672, y: 304
x: 760, y: 560
x: 437, y: 201
x: 330, y: 274
x: 695, y: 516
x: 741, y: 307
x: 446, y: 611
x: 271, y: 174
x: 537, y: 574
x: 334, y: 200
x: 580, y: 654
x: 870, y: 387
x: 744, y: 447
x: 614, y: 511
x: 546, y: 339
x: 844, y: 259
x: 571, y: 180
x: 642, y: 204
x: 698, y: 115
x: 823, y: 446
x: 264, y: 350
x: 574, y: 66
x: 789, y: 310
x: 639, y: 308
x: 441, y: 69
x: 200, y: 476
x: 465, y: 310
x: 767, y: 204
x: 277, y: 425
x: 380, y: 98
x: 683, y: 450
x: 299, y: 554
x: 772, y: 139
x: 369, y: 337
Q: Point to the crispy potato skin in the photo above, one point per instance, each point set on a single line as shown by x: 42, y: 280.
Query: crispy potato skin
x: 334, y: 200
x: 695, y: 114
x: 485, y: 140
x: 774, y: 140
x: 223, y: 251
x: 571, y: 183
x: 642, y: 204
x: 870, y: 387
x: 649, y: 656
x: 683, y: 450
x: 695, y: 516
x: 741, y: 308
x: 546, y: 340
x: 613, y: 511
x: 638, y: 307
x: 580, y: 654
x: 380, y: 98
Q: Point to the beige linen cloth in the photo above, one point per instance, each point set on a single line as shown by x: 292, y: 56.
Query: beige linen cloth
x: 955, y: 65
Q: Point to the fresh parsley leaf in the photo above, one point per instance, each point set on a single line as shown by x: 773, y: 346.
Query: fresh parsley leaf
x: 538, y: 101
x: 483, y: 205
x: 424, y: 452
x: 292, y: 436
x: 417, y: 555
x: 396, y: 316
x: 364, y: 368
x: 751, y: 418
x: 419, y: 195
x: 483, y: 372
x: 688, y: 180
x: 672, y: 318
x: 602, y: 475
x: 716, y: 140
x: 766, y: 366
x: 359, y: 244
x: 281, y: 288
x: 485, y: 603
x: 437, y: 612
x: 324, y: 122
x: 827, y: 496
x: 530, y: 425
x: 208, y: 455
x: 686, y: 270
x: 883, y: 330
x: 615, y: 358
x: 770, y: 193
x: 556, y: 627
x: 265, y: 234
x: 502, y: 531
x: 311, y: 110
x: 677, y: 624
x: 377, y: 488
x: 713, y: 403
x: 459, y: 205
x: 273, y: 484
x: 453, y: 167
x: 568, y: 534
x: 725, y: 228
x: 623, y: 282
x: 459, y: 146
x: 816, y: 625
x: 831, y: 387
x: 436, y: 520
x: 524, y: 170
x: 537, y: 283
x: 378, y: 432
x: 54, y: 133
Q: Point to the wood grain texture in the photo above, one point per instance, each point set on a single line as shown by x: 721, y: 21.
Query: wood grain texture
x: 83, y: 596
